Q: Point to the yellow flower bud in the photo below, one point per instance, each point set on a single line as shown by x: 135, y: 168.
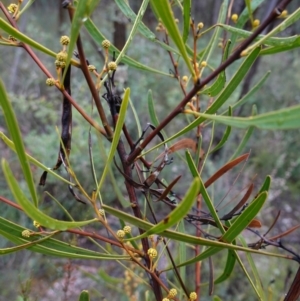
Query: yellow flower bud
x: 105, y: 44
x: 26, y: 233
x: 256, y: 23
x: 193, y: 296
x: 127, y: 229
x: 12, y: 8
x: 244, y: 53
x: 91, y: 68
x: 203, y: 64
x: 11, y: 38
x: 200, y: 25
x: 101, y: 212
x: 61, y: 56
x: 185, y: 78
x: 234, y: 18
x: 36, y: 224
x: 120, y: 233
x: 172, y: 292
x: 50, y: 81
x: 152, y: 252
x: 112, y: 66
x: 65, y: 40
x: 62, y: 64
x: 284, y: 14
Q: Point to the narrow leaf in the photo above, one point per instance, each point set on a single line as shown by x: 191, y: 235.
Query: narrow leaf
x: 291, y: 19
x: 34, y: 213
x: 15, y: 133
x: 204, y: 193
x: 266, y: 185
x: 164, y: 10
x: 186, y: 19
x: 283, y: 119
x: 225, y: 135
x: 230, y: 262
x: 178, y: 213
x: 277, y: 49
x: 244, y: 219
x: 152, y: 113
x: 219, y: 83
x: 228, y: 166
x: 184, y: 237
x: 116, y: 138
x: 49, y: 246
x: 237, y: 227
x: 270, y: 41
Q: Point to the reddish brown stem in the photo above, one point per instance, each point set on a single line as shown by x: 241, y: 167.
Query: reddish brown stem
x: 294, y: 291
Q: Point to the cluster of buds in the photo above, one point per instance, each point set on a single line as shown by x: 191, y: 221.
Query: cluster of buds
x: 193, y: 296
x: 121, y: 233
x: 152, y: 253
x: 61, y: 59
x: 62, y: 56
x: 26, y: 233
